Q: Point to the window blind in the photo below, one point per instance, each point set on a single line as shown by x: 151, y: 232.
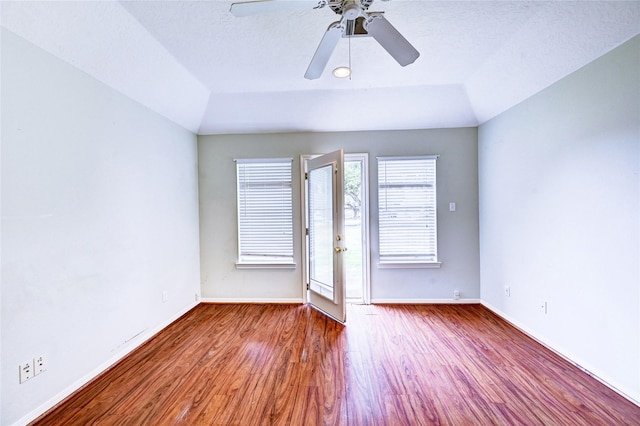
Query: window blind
x: 407, y: 209
x: 265, y: 216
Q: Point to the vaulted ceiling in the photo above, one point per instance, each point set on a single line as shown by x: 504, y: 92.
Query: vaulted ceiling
x: 198, y: 65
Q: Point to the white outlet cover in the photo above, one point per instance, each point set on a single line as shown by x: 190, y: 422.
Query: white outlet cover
x: 544, y: 308
x: 26, y: 371
x: 39, y: 365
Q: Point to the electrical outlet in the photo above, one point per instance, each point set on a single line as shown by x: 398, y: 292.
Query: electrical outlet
x: 165, y: 296
x: 39, y: 365
x: 456, y: 294
x: 507, y: 291
x: 544, y: 308
x: 26, y: 371
x: 197, y: 297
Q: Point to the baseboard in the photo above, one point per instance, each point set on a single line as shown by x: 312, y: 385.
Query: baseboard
x: 85, y: 380
x: 425, y: 301
x: 240, y: 300
x: 567, y: 358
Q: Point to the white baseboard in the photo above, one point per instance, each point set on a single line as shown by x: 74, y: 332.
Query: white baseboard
x: 425, y: 301
x: 240, y: 300
x: 567, y: 358
x: 69, y: 390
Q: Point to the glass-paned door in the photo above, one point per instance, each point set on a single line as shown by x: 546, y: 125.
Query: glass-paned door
x: 325, y: 233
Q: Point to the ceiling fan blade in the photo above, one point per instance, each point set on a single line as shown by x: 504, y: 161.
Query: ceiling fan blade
x: 324, y: 50
x: 249, y: 8
x: 393, y: 42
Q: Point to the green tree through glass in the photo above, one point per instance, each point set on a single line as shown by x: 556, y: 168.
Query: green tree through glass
x: 352, y: 190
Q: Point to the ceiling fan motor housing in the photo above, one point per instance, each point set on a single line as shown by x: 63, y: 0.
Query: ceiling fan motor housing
x: 355, y: 7
x: 351, y: 9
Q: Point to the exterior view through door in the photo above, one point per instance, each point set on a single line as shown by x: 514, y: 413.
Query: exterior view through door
x: 356, y: 230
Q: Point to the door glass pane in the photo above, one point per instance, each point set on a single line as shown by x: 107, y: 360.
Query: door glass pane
x: 321, y: 230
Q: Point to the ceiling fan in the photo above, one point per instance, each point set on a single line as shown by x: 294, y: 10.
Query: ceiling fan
x: 355, y: 21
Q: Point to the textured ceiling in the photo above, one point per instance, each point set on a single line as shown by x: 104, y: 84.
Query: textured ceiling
x: 198, y: 65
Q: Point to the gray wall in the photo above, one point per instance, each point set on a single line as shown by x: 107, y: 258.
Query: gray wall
x: 457, y: 231
x: 99, y: 217
x: 560, y: 219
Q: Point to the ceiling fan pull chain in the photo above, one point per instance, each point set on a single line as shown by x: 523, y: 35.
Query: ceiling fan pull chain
x: 351, y: 69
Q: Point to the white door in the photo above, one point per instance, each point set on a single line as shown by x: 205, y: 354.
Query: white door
x: 325, y: 234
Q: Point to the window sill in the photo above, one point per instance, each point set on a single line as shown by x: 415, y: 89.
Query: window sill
x: 257, y: 265
x: 409, y: 265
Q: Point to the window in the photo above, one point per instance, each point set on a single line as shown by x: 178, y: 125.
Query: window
x: 407, y: 211
x: 265, y: 216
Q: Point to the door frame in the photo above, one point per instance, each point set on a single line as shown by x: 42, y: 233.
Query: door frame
x: 366, y: 247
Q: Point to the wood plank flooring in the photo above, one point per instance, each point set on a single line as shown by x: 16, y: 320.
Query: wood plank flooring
x: 391, y: 365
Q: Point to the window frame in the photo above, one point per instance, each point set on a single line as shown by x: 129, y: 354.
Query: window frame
x: 282, y: 260
x: 421, y: 260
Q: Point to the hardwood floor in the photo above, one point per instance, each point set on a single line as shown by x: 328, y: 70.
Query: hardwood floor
x: 391, y: 365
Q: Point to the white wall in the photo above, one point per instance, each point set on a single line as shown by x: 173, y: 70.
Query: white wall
x: 457, y: 231
x: 99, y: 217
x: 560, y: 216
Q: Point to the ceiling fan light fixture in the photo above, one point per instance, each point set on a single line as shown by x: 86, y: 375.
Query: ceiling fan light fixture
x: 355, y: 20
x: 342, y: 72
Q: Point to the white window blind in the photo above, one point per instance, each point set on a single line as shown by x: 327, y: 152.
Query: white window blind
x: 265, y: 216
x: 407, y: 209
